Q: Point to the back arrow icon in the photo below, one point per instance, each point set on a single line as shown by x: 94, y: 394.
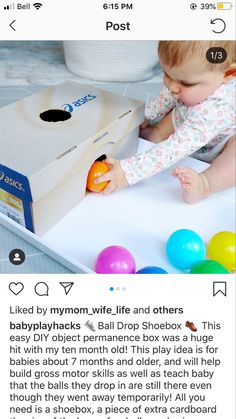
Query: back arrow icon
x: 12, y: 24
x: 213, y: 21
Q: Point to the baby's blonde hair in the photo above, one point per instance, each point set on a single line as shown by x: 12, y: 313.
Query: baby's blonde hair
x: 175, y: 53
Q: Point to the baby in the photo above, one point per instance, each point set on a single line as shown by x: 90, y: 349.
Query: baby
x: 193, y: 115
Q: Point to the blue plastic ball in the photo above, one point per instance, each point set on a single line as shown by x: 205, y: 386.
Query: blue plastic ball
x: 185, y: 248
x: 151, y: 270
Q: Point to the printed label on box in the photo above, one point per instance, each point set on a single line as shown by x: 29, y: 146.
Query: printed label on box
x: 12, y: 207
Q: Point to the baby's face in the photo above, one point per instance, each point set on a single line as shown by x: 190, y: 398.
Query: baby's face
x: 192, y: 83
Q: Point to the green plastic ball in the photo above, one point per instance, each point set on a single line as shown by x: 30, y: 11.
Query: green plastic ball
x: 208, y: 267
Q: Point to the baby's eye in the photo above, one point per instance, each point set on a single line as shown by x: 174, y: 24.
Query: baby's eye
x: 188, y: 84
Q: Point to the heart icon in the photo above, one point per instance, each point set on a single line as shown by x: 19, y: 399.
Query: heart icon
x: 16, y: 287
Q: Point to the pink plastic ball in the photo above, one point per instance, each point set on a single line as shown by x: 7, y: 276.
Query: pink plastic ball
x: 115, y: 260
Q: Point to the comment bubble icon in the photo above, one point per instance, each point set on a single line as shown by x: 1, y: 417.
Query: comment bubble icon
x: 41, y: 289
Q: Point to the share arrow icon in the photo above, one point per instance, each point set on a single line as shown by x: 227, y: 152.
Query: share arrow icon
x: 67, y: 286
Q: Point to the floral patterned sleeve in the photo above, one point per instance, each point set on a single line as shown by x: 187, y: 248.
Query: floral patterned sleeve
x: 202, y: 124
x: 156, y: 109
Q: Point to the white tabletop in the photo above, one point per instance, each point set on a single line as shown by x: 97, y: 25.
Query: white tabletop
x: 140, y: 218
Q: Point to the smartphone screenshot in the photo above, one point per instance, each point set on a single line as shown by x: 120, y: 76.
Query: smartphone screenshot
x: 117, y: 209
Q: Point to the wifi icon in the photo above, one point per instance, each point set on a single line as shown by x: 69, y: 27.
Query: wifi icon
x: 37, y: 5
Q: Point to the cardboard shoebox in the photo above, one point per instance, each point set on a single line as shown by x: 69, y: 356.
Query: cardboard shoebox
x: 49, y: 141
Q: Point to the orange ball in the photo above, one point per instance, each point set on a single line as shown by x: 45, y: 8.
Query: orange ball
x: 96, y: 170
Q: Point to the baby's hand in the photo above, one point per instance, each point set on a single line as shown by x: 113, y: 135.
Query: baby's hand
x: 151, y: 134
x: 145, y: 124
x: 115, y: 176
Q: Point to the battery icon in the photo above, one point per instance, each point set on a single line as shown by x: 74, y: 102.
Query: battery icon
x: 224, y: 5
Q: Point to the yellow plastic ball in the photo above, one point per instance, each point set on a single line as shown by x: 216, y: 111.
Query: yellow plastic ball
x: 222, y: 248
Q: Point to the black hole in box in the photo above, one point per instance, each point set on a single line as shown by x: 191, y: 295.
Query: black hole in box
x: 55, y: 115
x: 101, y: 158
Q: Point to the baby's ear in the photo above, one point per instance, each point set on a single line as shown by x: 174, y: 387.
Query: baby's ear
x: 230, y: 73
